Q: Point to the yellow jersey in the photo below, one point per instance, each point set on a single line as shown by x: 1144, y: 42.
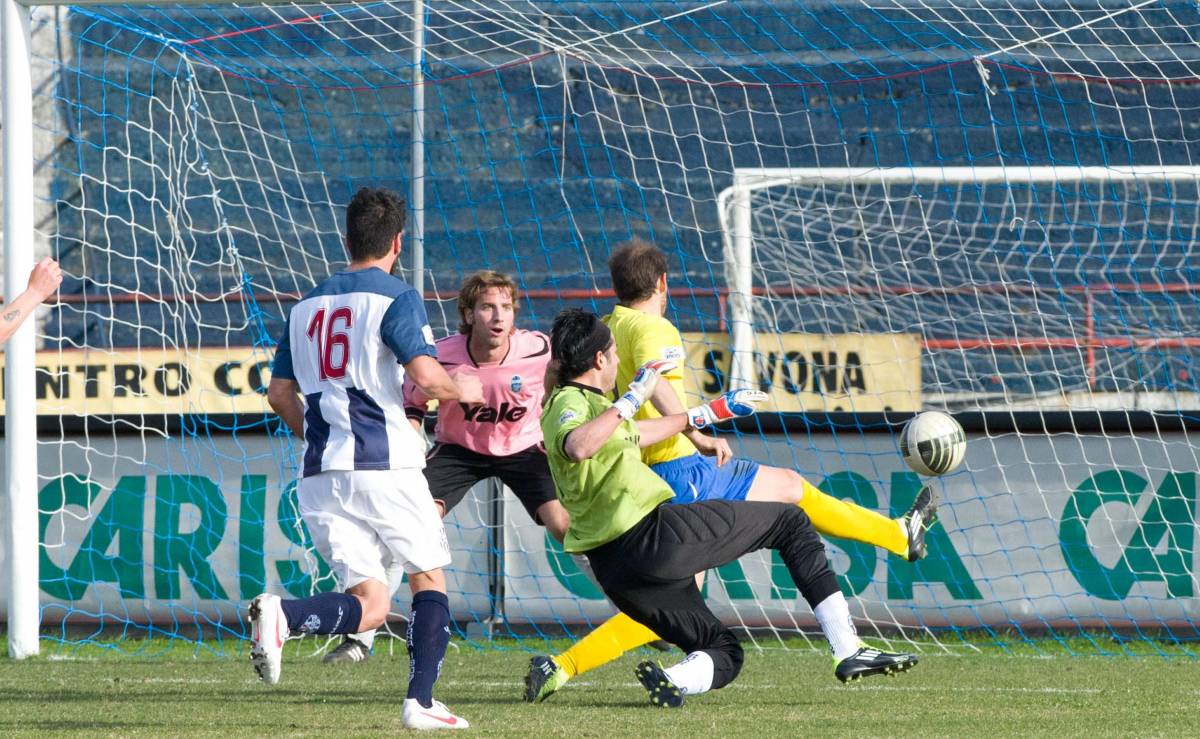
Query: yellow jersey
x: 641, y: 337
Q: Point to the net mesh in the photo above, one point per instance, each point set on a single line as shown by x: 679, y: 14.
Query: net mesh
x: 1025, y: 293
x: 193, y: 162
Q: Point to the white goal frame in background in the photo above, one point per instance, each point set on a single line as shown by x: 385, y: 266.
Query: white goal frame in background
x: 734, y: 211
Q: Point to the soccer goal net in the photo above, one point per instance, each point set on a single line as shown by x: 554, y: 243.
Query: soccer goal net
x: 870, y: 208
x: 1031, y: 287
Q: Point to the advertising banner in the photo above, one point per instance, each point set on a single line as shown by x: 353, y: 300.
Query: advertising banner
x: 801, y: 372
x: 860, y: 373
x: 174, y: 529
x: 140, y: 381
x: 1034, y: 529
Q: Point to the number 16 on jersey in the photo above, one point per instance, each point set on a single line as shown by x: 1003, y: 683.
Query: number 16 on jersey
x: 332, y: 340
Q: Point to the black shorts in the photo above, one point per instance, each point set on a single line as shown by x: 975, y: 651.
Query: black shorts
x: 649, y: 571
x: 452, y: 470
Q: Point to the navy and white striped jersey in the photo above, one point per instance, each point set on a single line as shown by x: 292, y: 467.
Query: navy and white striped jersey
x: 345, y: 344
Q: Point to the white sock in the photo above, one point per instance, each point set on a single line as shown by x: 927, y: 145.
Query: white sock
x: 833, y: 614
x: 366, y: 638
x: 694, y: 675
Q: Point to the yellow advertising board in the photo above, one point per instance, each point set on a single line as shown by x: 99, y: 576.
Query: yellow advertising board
x: 152, y: 381
x: 801, y: 372
x: 861, y: 373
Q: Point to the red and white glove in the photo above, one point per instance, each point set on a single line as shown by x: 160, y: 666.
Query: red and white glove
x: 641, y: 386
x: 730, y: 404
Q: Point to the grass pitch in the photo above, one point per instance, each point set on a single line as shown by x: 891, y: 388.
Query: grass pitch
x: 179, y: 691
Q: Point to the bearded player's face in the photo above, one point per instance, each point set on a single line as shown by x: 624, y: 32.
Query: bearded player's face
x: 493, y: 316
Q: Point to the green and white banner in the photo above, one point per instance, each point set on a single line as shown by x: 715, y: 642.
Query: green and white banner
x: 1033, y: 530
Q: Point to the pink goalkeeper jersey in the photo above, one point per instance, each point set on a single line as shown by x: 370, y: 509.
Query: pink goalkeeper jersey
x: 508, y: 421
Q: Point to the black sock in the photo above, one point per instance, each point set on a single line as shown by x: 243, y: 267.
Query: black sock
x: 428, y: 636
x: 327, y: 613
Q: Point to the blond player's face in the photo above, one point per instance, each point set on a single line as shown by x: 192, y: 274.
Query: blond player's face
x: 493, y: 316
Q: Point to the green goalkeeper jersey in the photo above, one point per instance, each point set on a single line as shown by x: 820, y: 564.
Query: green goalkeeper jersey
x: 612, y: 490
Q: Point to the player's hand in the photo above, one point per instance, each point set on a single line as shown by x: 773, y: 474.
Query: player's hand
x: 730, y: 404
x: 711, y: 446
x: 45, y: 278
x: 470, y: 389
x: 641, y: 386
x: 646, y: 377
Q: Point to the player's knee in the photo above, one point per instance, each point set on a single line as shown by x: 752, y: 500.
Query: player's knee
x: 798, y: 514
x: 374, y: 598
x: 374, y: 605
x: 795, y: 486
x: 374, y: 613
x: 795, y: 518
x: 433, y: 579
x: 778, y: 484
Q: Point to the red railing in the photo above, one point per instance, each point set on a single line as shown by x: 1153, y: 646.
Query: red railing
x: 1090, y: 341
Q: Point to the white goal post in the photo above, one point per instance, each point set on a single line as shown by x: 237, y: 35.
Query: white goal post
x: 735, y: 212
x: 20, y: 429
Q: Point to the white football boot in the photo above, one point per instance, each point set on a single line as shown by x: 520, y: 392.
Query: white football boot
x: 269, y: 631
x: 437, y: 716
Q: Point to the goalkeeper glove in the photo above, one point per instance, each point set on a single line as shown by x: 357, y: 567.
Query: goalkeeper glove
x: 730, y: 404
x: 641, y: 387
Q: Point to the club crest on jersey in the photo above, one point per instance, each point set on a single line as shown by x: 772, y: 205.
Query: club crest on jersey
x: 311, y: 624
x: 515, y: 384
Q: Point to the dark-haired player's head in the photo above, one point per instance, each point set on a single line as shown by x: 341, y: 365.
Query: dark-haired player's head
x: 638, y: 268
x: 487, y: 307
x: 374, y: 221
x: 580, y: 343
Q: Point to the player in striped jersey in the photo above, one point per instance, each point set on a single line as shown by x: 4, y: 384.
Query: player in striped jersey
x: 499, y: 438
x: 699, y: 467
x: 349, y: 345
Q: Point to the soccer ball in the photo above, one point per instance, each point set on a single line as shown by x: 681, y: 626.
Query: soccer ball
x: 933, y: 443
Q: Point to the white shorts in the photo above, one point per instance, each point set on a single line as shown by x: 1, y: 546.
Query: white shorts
x: 363, y: 522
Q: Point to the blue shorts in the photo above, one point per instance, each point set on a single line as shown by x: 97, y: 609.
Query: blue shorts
x: 696, y: 477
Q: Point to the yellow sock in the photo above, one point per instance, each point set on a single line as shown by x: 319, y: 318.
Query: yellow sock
x: 609, y: 640
x: 834, y: 517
